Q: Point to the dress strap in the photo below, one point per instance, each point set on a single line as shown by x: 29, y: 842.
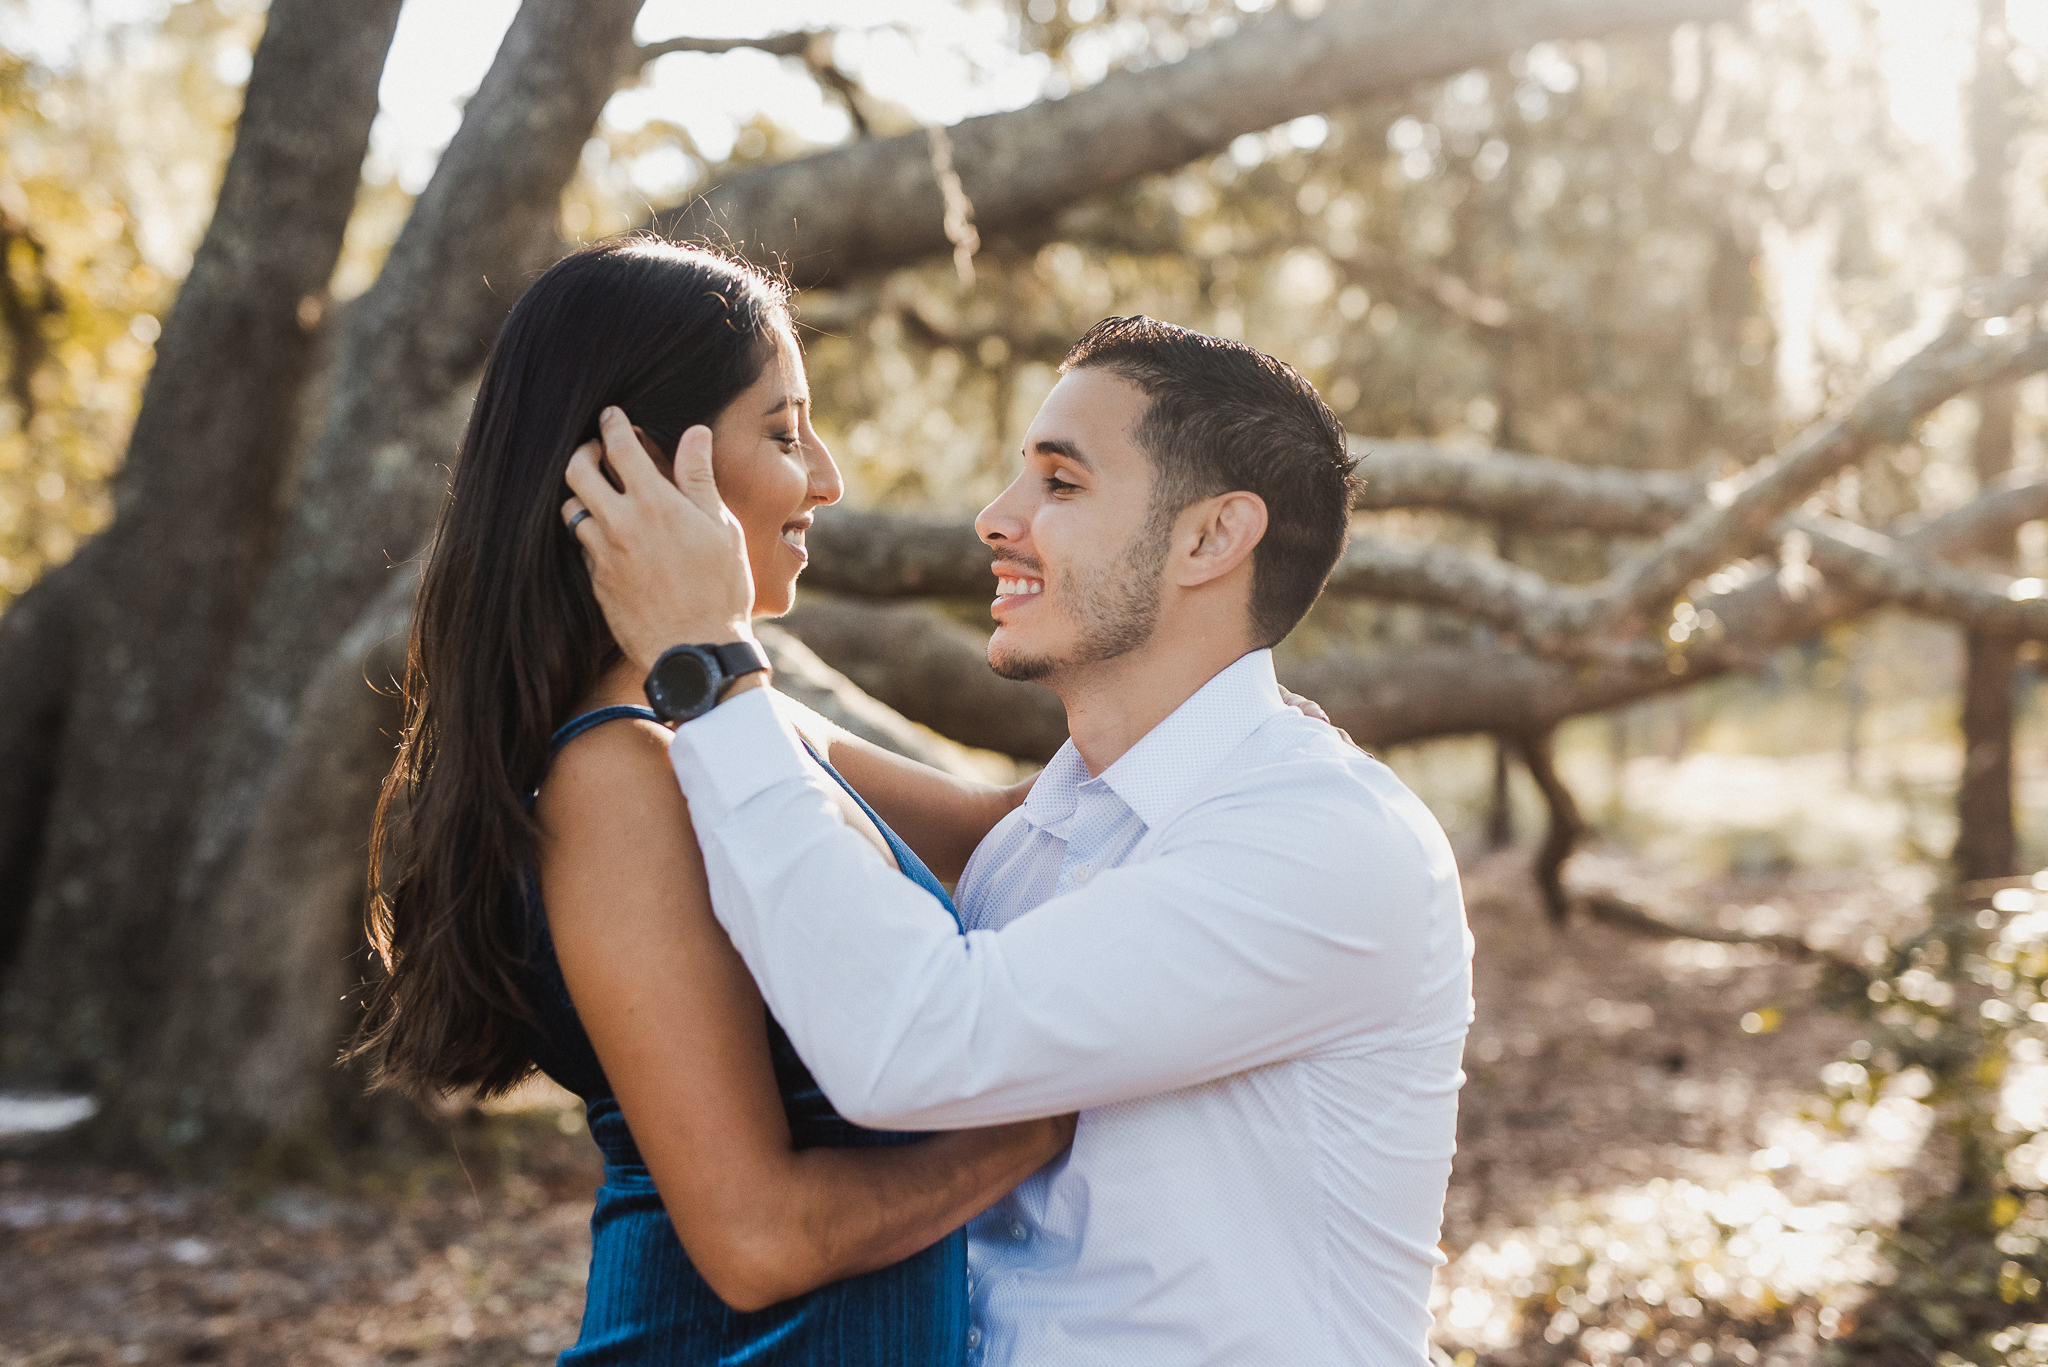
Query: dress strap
x: 907, y: 862
x: 576, y: 726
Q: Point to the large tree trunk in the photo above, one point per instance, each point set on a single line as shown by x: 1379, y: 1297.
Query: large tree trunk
x: 372, y: 483
x: 1019, y: 170
x: 1987, y: 842
x: 100, y: 805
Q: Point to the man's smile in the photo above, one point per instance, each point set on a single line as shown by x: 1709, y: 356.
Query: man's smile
x: 1014, y: 588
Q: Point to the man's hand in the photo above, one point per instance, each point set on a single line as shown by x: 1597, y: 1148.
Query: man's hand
x: 668, y: 561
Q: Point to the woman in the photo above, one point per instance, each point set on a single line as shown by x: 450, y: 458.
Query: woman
x: 541, y: 899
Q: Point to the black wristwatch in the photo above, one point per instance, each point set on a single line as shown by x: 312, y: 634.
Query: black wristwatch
x: 687, y: 681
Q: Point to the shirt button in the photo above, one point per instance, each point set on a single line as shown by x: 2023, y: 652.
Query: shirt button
x: 1018, y: 1232
x: 973, y: 1337
x: 1080, y: 873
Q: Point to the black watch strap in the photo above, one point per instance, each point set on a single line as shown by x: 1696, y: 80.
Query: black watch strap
x: 737, y: 659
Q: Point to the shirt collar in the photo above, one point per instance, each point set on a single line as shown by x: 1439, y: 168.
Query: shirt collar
x: 1156, y: 774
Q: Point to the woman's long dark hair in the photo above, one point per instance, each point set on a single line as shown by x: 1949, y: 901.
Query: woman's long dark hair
x: 507, y: 637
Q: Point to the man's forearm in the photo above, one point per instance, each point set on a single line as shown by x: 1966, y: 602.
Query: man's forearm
x: 1153, y: 977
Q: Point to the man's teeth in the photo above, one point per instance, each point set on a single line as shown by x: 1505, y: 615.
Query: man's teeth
x: 1006, y: 587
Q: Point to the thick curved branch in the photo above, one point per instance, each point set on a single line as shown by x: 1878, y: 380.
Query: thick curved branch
x: 795, y: 44
x: 1425, y: 691
x: 1876, y: 567
x: 879, y: 555
x: 1532, y: 492
x: 874, y: 204
x: 1742, y: 515
x: 1611, y: 908
x: 1483, y: 587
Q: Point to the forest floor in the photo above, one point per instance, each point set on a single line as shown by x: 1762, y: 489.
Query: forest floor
x: 1601, y: 1062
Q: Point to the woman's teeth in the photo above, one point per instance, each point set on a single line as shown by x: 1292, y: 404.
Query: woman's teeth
x: 1006, y: 587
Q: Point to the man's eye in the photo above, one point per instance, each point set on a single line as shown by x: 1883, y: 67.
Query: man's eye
x: 1055, y: 485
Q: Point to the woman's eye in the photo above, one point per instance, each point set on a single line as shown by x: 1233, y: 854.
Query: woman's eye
x: 788, y: 441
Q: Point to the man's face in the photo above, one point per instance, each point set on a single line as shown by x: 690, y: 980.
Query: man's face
x: 1077, y: 552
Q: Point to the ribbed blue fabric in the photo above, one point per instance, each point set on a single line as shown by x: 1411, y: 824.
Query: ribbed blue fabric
x: 645, y: 1304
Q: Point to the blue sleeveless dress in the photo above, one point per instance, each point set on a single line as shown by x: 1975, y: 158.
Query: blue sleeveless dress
x: 645, y: 1304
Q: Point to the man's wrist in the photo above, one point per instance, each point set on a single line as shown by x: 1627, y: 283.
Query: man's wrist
x: 743, y: 684
x: 687, y: 680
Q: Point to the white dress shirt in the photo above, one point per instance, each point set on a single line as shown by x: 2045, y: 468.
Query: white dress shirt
x: 1245, y: 964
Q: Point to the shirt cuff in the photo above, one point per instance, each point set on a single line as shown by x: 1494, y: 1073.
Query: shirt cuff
x: 733, y: 752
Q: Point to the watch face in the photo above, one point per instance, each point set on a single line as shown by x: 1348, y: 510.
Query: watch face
x: 683, y: 680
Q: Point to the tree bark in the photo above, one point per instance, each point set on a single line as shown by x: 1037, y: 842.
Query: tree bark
x: 1566, y: 826
x: 37, y: 639
x: 1021, y: 168
x: 166, y: 589
x: 368, y: 493
x: 933, y: 671
x: 1987, y: 842
x: 1529, y: 493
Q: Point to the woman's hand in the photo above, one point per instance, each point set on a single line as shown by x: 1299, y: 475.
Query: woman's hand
x: 1309, y: 707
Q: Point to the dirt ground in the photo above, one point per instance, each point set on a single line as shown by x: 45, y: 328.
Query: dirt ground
x: 1599, y: 1059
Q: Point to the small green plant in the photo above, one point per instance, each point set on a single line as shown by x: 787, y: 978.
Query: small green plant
x: 1960, y: 1011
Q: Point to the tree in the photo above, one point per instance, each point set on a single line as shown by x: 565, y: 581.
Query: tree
x: 187, y: 754
x: 1987, y: 845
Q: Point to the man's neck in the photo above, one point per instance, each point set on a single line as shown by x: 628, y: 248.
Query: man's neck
x: 1113, y: 705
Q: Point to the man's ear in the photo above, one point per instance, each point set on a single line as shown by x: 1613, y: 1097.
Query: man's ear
x: 1217, y: 535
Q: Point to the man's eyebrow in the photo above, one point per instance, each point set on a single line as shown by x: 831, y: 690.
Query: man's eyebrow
x: 1055, y: 446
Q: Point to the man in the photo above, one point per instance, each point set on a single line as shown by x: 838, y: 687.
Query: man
x: 1233, y: 942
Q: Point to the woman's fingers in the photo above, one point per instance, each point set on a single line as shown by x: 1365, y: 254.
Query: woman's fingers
x: 1308, y: 707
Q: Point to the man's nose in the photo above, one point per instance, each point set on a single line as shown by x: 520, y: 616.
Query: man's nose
x: 1001, y: 521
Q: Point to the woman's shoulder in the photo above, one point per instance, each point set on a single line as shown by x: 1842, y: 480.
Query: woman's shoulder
x: 619, y: 764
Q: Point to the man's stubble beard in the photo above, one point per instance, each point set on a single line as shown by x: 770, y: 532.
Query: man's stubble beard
x: 1115, y: 609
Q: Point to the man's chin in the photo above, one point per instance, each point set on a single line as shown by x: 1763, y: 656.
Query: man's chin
x: 1023, y: 668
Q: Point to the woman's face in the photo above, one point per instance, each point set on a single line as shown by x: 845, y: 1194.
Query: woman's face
x: 772, y: 471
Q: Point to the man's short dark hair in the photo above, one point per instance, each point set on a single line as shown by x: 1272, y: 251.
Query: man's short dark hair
x: 1225, y: 417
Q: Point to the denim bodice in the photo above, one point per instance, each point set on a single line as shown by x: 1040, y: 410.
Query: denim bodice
x: 645, y: 1303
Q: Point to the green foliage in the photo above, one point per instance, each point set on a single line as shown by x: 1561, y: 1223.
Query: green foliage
x: 1962, y: 1006
x: 108, y: 162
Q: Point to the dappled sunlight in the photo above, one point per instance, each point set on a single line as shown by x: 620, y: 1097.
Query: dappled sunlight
x: 1653, y: 1268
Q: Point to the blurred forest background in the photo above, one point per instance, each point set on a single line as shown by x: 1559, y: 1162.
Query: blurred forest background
x: 1694, y: 349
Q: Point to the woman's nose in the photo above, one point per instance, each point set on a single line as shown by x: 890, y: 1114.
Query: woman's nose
x: 826, y: 483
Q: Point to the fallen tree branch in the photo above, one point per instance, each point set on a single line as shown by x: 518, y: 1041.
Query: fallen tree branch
x: 1967, y: 353
x: 1023, y: 167
x: 1484, y: 587
x: 1534, y: 493
x: 1610, y: 908
x: 796, y: 44
x: 1878, y: 568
